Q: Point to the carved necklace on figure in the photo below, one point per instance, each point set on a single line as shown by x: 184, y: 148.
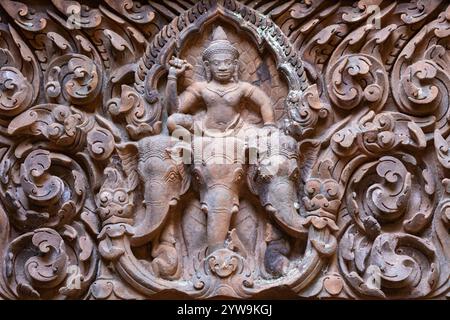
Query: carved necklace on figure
x: 222, y: 92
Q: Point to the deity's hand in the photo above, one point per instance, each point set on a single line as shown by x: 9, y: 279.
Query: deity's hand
x: 178, y: 66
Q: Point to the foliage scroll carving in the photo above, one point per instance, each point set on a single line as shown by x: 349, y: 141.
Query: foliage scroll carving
x: 224, y: 148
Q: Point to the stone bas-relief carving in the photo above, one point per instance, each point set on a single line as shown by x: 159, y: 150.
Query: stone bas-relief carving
x: 233, y: 149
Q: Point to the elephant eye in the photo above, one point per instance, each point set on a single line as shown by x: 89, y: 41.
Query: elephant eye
x: 294, y: 175
x: 264, y: 174
x: 238, y: 175
x: 196, y: 176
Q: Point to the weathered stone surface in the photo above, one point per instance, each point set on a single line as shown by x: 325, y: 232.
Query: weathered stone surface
x: 224, y: 148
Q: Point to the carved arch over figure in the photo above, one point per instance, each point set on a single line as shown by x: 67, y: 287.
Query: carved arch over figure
x: 303, y: 104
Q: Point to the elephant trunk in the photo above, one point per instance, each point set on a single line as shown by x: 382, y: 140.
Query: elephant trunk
x: 157, y: 204
x: 219, y: 203
x: 280, y: 200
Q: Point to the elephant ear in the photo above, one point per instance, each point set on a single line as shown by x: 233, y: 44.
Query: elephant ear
x: 181, y: 154
x: 308, y: 152
x: 252, y: 154
x: 186, y: 182
x: 129, y: 154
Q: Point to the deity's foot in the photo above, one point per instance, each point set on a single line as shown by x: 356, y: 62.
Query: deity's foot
x: 165, y: 262
x: 275, y: 258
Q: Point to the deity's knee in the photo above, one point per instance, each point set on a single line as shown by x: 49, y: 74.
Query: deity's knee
x: 180, y: 124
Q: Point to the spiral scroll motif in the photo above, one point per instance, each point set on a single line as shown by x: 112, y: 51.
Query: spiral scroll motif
x: 74, y: 78
x: 43, y: 189
x: 357, y: 80
x: 45, y: 263
x: 101, y: 196
x: 16, y: 93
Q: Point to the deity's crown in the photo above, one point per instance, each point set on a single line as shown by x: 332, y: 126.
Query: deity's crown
x: 219, y: 44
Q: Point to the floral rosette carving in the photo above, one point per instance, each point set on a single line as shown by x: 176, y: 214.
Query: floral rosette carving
x: 74, y: 79
x: 140, y: 122
x: 79, y: 15
x: 24, y: 16
x: 390, y: 199
x: 440, y: 228
x: 47, y: 263
x: 60, y: 124
x: 133, y: 10
x: 42, y: 188
x: 382, y: 133
x: 394, y: 187
x: 357, y: 80
x: 421, y: 84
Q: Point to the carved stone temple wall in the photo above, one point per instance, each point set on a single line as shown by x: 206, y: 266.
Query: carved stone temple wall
x: 224, y: 149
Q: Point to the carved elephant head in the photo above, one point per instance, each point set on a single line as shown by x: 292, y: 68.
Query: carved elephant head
x: 274, y: 179
x: 218, y: 172
x: 165, y: 177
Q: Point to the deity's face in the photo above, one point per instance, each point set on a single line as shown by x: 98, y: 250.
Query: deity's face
x: 222, y: 67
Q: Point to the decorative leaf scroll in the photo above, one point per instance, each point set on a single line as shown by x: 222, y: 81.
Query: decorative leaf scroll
x: 316, y: 164
x: 392, y: 265
x: 73, y: 78
x: 345, y: 95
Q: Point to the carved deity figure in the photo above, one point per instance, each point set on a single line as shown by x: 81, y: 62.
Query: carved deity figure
x: 223, y: 94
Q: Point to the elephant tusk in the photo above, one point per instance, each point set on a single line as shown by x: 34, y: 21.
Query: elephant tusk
x: 173, y: 202
x: 270, y: 208
x: 235, y: 209
x: 296, y: 205
x: 204, y: 208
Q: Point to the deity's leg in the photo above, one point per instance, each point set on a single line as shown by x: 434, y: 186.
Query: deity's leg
x: 276, y: 259
x: 180, y: 125
x: 165, y: 263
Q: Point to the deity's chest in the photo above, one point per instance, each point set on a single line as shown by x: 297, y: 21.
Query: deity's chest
x: 222, y: 97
